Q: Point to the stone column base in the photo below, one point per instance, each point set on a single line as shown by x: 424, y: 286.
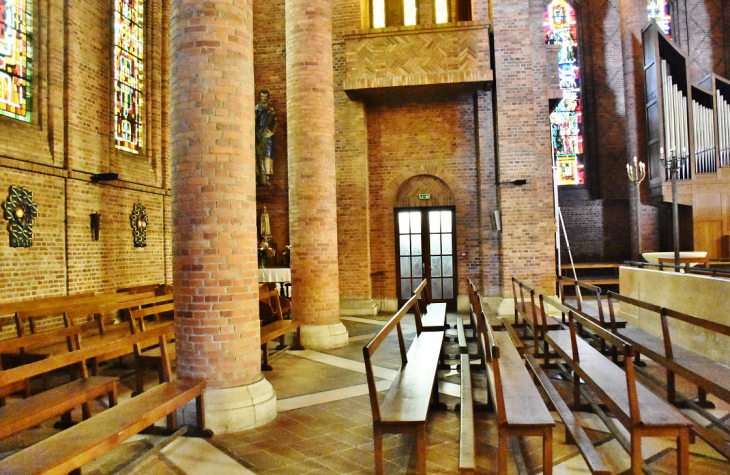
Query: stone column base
x: 358, y: 307
x: 236, y: 409
x: 324, y: 337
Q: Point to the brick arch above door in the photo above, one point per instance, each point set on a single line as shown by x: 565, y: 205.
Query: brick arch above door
x: 410, y: 191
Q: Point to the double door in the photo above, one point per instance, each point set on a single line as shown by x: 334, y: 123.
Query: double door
x: 425, y: 249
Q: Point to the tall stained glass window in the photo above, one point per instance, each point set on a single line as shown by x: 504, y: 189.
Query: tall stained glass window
x: 128, y: 73
x: 566, y: 120
x: 658, y: 10
x: 16, y: 55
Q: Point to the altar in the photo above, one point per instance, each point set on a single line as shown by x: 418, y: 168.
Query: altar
x: 279, y: 275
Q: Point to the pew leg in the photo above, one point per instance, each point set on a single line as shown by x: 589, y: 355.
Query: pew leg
x: 421, y: 449
x: 502, y: 449
x: 547, y: 451
x: 265, y: 366
x: 113, y: 397
x: 702, y: 399
x: 200, y: 411
x: 683, y: 451
x: 85, y: 410
x: 637, y: 460
x: 378, y: 445
x: 576, y: 390
x: 671, y: 388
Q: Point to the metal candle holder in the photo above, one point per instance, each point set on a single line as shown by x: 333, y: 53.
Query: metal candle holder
x: 674, y: 164
x: 637, y: 173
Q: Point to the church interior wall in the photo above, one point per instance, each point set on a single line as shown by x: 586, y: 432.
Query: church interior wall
x: 435, y: 137
x: 68, y: 140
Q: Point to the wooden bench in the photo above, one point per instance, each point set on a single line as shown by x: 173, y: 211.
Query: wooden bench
x: 276, y: 328
x: 405, y: 407
x: 33, y: 410
x: 529, y: 312
x: 520, y: 407
x: 643, y: 413
x: 88, y: 307
x: 433, y: 314
x: 709, y: 375
x: 76, y: 446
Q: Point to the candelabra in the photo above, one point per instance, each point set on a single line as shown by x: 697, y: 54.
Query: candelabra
x: 637, y: 173
x: 673, y: 164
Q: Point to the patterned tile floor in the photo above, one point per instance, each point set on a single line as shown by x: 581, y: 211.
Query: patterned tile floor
x: 324, y: 426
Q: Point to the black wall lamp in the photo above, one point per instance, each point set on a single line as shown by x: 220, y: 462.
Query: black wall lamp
x: 95, y: 225
x: 99, y: 177
x: 520, y: 182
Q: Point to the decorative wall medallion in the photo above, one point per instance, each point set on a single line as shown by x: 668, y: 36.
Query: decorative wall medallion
x: 20, y: 211
x: 139, y: 221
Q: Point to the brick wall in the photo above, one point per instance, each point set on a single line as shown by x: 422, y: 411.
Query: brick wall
x: 69, y: 139
x: 402, y: 145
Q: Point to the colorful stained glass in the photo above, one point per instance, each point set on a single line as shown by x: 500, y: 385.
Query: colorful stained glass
x: 442, y: 11
x: 378, y: 13
x: 16, y: 58
x: 658, y: 10
x: 410, y: 12
x: 566, y: 120
x: 128, y: 74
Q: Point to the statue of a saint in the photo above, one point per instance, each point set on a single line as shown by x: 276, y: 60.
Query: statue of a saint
x: 265, y: 128
x: 265, y: 226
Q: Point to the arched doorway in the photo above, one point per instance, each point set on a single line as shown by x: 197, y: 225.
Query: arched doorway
x: 425, y: 239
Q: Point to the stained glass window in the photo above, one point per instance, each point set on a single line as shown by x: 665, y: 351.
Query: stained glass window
x: 442, y: 11
x: 378, y: 13
x: 566, y: 120
x: 128, y: 74
x: 410, y: 11
x: 16, y: 55
x: 658, y: 10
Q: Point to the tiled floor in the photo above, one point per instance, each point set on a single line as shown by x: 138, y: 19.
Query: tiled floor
x: 324, y: 426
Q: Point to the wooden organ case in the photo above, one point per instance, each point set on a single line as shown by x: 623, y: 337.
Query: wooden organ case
x: 691, y: 120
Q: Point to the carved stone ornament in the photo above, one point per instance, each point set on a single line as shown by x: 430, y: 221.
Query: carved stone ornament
x: 138, y: 219
x: 20, y: 210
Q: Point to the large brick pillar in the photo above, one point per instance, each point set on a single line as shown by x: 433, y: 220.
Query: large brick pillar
x: 214, y: 210
x: 523, y: 147
x: 312, y: 176
x: 633, y: 16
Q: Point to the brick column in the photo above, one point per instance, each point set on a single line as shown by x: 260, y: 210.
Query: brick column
x: 523, y: 145
x: 214, y: 211
x: 633, y: 16
x: 312, y: 177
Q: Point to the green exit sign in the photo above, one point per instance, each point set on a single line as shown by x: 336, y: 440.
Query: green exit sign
x: 424, y: 196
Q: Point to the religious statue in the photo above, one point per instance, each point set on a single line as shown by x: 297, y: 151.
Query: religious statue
x: 265, y: 128
x: 265, y: 226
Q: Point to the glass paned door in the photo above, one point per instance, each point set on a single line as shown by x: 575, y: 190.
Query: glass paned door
x: 425, y: 248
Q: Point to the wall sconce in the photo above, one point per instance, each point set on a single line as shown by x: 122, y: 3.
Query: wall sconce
x: 139, y: 221
x: 20, y: 210
x: 520, y: 182
x: 95, y: 224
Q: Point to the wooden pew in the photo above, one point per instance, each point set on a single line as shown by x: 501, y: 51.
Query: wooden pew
x: 405, y: 407
x: 433, y: 314
x: 642, y: 412
x: 94, y: 331
x: 709, y: 375
x: 520, y: 407
x: 467, y: 455
x: 276, y: 328
x: 529, y: 312
x: 595, y: 312
x: 57, y: 401
x: 477, y: 306
x: 68, y: 451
